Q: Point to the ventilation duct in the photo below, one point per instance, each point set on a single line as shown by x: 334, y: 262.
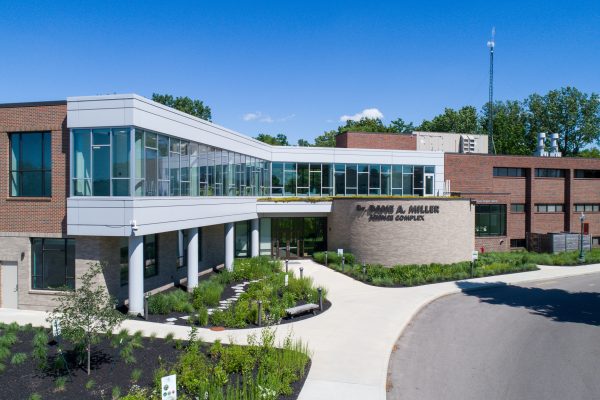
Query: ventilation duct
x: 554, y: 152
x: 541, y: 145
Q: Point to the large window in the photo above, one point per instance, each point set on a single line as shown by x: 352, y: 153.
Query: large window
x: 30, y: 164
x: 53, y: 264
x: 101, y: 162
x: 511, y: 172
x: 490, y: 220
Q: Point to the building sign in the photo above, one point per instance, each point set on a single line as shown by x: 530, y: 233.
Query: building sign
x: 390, y: 212
x: 168, y: 386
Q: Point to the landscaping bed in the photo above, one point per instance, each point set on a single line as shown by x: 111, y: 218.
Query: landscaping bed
x: 129, y: 367
x: 229, y: 299
x: 489, y: 264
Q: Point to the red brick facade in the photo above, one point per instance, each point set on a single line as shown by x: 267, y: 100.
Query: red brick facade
x: 368, y: 140
x: 43, y: 214
x: 471, y: 175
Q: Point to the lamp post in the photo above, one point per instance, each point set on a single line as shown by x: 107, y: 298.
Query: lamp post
x: 581, y: 255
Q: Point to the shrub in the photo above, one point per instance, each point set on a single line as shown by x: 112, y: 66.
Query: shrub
x: 18, y: 358
x: 89, y: 385
x: 40, y: 348
x: 136, y: 374
x: 116, y: 393
x: 35, y: 396
x: 172, y: 301
x: 202, y: 317
x: 207, y: 294
x: 60, y: 383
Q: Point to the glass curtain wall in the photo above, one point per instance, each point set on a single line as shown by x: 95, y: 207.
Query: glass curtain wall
x: 303, y: 179
x: 162, y: 166
x: 101, y: 162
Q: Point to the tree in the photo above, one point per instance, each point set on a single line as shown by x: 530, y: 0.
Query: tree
x: 279, y: 140
x: 303, y: 143
x: 184, y: 104
x: 364, y: 125
x: 327, y: 139
x: 398, y: 125
x: 590, y: 153
x: 574, y: 115
x: 462, y: 121
x: 511, y: 135
x: 87, y: 313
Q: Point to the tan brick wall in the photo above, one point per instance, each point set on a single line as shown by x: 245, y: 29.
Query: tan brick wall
x: 445, y: 237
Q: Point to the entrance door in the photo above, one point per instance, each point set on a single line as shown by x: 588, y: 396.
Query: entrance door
x: 8, y: 278
x: 429, y: 184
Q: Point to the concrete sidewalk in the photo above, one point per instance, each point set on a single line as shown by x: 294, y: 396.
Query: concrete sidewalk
x: 353, y: 340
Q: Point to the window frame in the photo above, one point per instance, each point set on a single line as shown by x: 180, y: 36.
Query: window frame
x: 67, y: 243
x: 46, y: 139
x: 480, y: 214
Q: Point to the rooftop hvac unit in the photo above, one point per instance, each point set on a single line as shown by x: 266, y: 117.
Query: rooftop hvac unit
x: 467, y: 144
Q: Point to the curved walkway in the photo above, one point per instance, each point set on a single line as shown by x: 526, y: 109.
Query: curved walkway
x: 351, y: 342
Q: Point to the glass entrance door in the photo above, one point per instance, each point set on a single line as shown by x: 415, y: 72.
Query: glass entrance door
x: 297, y: 237
x: 429, y: 184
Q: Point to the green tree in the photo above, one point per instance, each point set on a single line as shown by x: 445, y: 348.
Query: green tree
x: 511, y: 135
x: 279, y: 140
x: 398, y: 125
x: 86, y: 313
x: 303, y: 143
x: 463, y: 120
x: 590, y: 153
x: 193, y: 107
x: 574, y: 115
x: 327, y: 139
x: 364, y: 125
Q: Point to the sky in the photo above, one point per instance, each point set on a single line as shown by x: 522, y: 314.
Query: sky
x: 299, y: 67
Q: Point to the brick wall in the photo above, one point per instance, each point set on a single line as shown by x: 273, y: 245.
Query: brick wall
x: 35, y: 215
x: 368, y: 140
x: 443, y: 237
x: 471, y: 175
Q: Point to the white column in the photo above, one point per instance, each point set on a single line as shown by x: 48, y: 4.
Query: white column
x: 254, y: 239
x: 136, y: 275
x: 192, y: 259
x: 229, y: 246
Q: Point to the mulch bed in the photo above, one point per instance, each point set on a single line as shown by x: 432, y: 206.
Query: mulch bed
x: 228, y: 292
x: 108, y: 371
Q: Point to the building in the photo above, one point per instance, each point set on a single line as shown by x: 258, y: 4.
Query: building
x: 160, y: 197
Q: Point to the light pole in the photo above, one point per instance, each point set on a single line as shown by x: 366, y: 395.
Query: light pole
x: 581, y: 256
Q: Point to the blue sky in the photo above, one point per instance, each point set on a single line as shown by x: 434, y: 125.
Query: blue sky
x: 298, y: 67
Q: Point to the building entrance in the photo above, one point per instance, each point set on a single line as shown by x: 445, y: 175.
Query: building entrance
x: 296, y: 237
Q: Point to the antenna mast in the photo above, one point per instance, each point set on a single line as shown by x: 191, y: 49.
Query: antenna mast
x: 491, y: 44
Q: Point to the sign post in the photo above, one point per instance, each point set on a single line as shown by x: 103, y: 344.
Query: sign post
x: 474, y: 257
x: 168, y: 386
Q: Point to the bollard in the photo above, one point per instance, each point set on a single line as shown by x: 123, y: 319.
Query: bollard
x: 285, y: 280
x: 320, y: 290
x: 326, y: 258
x: 259, y: 313
x: 364, y: 269
x: 146, y: 306
x: 286, y: 265
x: 472, y: 265
x: 343, y: 262
x: 301, y: 272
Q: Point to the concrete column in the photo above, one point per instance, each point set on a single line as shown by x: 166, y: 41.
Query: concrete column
x: 254, y: 239
x: 229, y: 246
x: 136, y: 275
x: 192, y: 259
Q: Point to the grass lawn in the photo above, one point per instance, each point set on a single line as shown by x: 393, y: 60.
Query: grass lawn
x: 129, y: 367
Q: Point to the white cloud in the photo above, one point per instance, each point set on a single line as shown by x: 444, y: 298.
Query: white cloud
x: 371, y: 113
x: 252, y: 116
x: 266, y: 118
